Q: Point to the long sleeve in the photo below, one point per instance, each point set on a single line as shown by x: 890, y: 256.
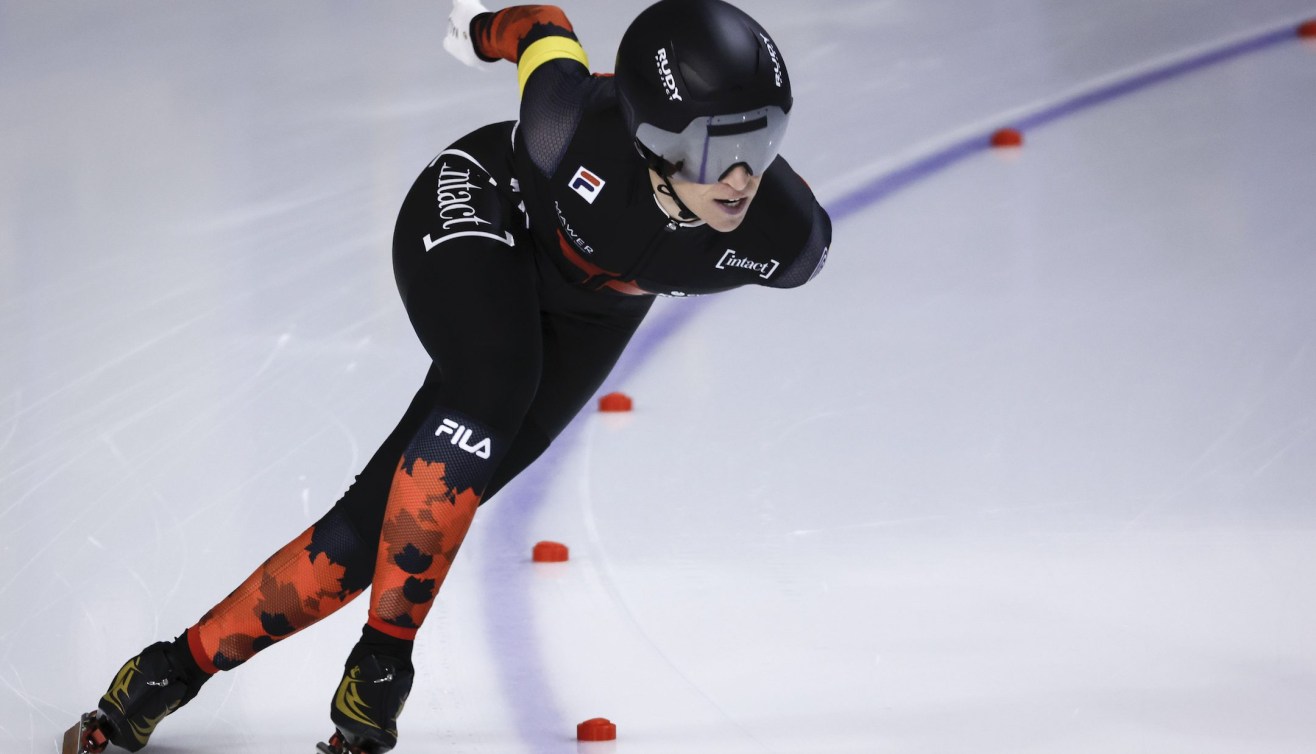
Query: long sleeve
x: 528, y: 35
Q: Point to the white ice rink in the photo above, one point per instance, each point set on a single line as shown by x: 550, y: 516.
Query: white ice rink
x: 1030, y: 468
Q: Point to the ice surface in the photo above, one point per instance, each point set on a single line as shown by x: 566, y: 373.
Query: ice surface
x: 1027, y: 469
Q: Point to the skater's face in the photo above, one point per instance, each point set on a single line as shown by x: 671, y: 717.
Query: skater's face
x: 721, y: 205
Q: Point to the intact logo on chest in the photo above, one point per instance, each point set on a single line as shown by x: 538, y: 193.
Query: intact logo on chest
x: 732, y: 261
x: 587, y: 184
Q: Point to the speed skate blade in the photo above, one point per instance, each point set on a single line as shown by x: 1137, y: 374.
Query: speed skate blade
x: 72, y: 739
x: 339, y: 745
x: 335, y: 745
x: 85, y: 737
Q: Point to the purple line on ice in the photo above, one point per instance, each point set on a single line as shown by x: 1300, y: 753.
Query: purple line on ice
x: 506, y: 577
x: 874, y: 191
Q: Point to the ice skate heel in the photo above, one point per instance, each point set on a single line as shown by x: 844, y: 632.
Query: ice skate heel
x: 336, y: 745
x: 339, y: 745
x: 86, y: 736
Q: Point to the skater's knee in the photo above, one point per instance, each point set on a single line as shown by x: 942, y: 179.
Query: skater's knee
x: 530, y: 442
x: 498, y: 403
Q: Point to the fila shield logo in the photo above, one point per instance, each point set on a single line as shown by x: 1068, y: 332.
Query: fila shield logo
x: 729, y: 260
x: 461, y: 437
x: 587, y: 184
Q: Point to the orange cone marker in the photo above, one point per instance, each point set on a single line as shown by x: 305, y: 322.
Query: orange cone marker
x: 550, y: 552
x: 597, y: 729
x: 615, y: 402
x: 1007, y: 137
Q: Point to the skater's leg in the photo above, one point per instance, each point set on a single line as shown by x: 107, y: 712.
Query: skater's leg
x: 325, y: 566
x: 583, y: 335
x: 472, y: 299
x: 316, y: 573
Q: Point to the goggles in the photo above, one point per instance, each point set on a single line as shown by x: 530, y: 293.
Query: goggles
x: 711, y: 146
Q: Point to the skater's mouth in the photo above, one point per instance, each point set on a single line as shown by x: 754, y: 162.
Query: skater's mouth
x: 733, y: 206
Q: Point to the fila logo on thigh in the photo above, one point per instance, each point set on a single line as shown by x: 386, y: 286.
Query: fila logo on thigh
x: 461, y: 437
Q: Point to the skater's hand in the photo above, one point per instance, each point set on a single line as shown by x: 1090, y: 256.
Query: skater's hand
x: 458, y: 42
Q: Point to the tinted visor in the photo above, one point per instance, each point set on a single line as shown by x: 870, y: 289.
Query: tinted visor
x: 712, y: 145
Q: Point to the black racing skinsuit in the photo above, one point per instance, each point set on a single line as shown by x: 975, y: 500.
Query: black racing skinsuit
x: 526, y: 257
x: 528, y: 253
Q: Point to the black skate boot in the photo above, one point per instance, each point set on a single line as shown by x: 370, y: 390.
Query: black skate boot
x: 368, y: 701
x: 146, y: 689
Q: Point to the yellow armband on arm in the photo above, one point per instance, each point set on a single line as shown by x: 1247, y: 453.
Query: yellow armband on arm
x: 544, y: 50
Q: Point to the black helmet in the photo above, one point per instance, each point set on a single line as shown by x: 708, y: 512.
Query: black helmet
x: 703, y: 88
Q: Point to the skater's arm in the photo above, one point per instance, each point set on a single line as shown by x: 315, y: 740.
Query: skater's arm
x: 813, y: 255
x: 797, y: 224
x: 532, y: 36
x: 553, y: 71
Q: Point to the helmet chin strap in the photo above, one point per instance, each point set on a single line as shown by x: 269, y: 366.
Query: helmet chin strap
x: 685, y: 214
x: 659, y: 165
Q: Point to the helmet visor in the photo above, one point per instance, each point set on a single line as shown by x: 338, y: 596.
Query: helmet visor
x: 711, y: 145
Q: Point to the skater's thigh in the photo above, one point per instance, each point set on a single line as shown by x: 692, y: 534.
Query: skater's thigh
x: 467, y: 277
x: 581, y: 346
